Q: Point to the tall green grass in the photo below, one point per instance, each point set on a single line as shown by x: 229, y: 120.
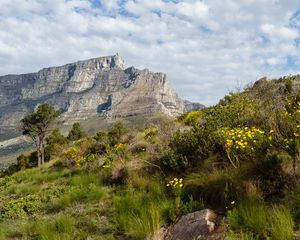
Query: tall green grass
x: 58, y: 227
x: 250, y: 216
x: 257, y: 219
x: 77, y: 194
x: 282, y: 224
x: 241, y: 236
x: 140, y: 214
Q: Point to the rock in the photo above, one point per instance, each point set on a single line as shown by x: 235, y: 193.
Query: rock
x: 192, y: 106
x: 84, y: 89
x: 261, y: 81
x: 200, y: 225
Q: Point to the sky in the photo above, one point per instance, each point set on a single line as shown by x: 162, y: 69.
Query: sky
x: 207, y: 47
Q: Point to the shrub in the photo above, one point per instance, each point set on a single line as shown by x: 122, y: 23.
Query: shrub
x: 273, y: 180
x: 55, y: 143
x: 188, y: 148
x: 80, y: 153
x: 242, y: 143
x: 192, y: 118
x: 150, y: 134
x: 22, y: 161
x: 27, y: 161
x: 116, y: 132
x: 192, y: 205
x: 237, y: 109
x: 76, y: 133
x: 21, y: 207
x: 217, y: 190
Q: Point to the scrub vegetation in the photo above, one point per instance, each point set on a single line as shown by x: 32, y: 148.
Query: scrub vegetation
x: 239, y: 158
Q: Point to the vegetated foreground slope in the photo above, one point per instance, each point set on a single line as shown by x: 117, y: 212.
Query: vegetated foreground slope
x: 240, y: 158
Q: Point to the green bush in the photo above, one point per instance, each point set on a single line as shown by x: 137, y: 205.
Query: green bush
x: 192, y: 205
x: 76, y: 132
x: 216, y: 190
x: 150, y: 134
x: 116, y: 132
x: 188, y: 148
x: 55, y: 144
x: 273, y: 179
x: 21, y: 207
x: 27, y: 161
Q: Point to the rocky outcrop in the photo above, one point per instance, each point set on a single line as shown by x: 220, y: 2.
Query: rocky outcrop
x: 192, y: 106
x: 95, y: 87
x: 200, y: 225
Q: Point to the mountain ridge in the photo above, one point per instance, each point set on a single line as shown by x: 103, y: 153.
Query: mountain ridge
x: 87, y: 88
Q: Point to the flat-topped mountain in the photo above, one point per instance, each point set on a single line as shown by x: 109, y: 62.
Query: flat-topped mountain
x: 99, y: 86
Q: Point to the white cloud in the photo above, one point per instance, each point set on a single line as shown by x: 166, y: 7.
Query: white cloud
x: 196, y: 9
x: 206, y: 47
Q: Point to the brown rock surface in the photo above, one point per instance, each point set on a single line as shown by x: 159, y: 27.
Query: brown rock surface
x: 200, y: 225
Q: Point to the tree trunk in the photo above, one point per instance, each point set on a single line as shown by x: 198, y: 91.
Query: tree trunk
x: 42, y: 154
x: 39, y: 155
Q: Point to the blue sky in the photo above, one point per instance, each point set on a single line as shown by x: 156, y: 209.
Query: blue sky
x: 207, y: 47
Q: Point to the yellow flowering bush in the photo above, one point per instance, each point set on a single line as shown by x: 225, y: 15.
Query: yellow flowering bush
x: 175, y: 183
x: 119, y: 148
x: 87, y: 159
x: 150, y: 134
x: 241, y: 141
x: 192, y: 117
x: 72, y: 153
x: 75, y: 156
x: 293, y: 105
x: 116, y: 152
x: 292, y: 142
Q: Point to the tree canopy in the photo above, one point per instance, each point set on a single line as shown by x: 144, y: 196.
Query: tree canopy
x: 36, y: 124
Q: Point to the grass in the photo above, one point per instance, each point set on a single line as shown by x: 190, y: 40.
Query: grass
x: 68, y: 200
x: 139, y: 214
x: 254, y: 218
x: 282, y: 224
x: 250, y: 216
x: 241, y: 236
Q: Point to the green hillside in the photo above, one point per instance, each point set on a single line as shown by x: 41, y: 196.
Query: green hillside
x: 239, y: 158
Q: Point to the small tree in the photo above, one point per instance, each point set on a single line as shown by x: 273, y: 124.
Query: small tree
x: 76, y: 132
x: 36, y: 124
x: 116, y: 132
x: 55, y: 143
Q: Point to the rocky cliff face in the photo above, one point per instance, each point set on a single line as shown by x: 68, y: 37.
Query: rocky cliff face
x: 99, y: 86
